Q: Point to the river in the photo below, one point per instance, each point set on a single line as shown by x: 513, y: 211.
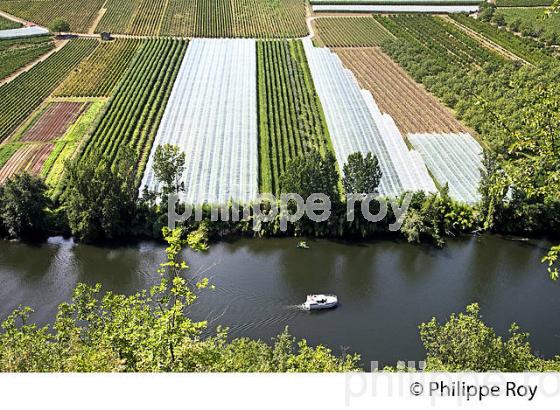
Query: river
x: 386, y: 288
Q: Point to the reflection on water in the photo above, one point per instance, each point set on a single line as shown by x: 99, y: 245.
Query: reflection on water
x: 385, y: 288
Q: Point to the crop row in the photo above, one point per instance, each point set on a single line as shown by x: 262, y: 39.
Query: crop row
x: 206, y: 18
x: 440, y: 38
x: 134, y: 112
x: 15, y: 54
x: 291, y: 119
x: 80, y: 14
x: 525, y: 48
x: 21, y: 96
x: 351, y: 32
x: 98, y: 75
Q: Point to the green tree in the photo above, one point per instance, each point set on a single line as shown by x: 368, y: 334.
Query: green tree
x: 311, y: 173
x: 100, y: 199
x: 169, y: 164
x: 361, y: 174
x: 465, y: 343
x: 23, y: 203
x: 59, y: 26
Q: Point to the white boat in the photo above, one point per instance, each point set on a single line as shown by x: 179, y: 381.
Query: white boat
x: 316, y: 302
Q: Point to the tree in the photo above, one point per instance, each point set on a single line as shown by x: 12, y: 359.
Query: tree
x: 59, y: 26
x: 465, y: 343
x: 100, y: 199
x: 361, y: 174
x: 309, y: 174
x: 169, y: 164
x: 23, y: 202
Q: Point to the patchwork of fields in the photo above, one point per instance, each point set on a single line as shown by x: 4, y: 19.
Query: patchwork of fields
x: 241, y: 109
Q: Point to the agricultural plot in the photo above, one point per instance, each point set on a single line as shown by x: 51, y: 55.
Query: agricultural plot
x: 15, y: 54
x: 6, y: 24
x: 453, y: 159
x: 523, y: 3
x: 206, y: 18
x: 533, y: 17
x: 54, y: 121
x: 80, y: 14
x: 69, y: 145
x: 212, y: 116
x: 357, y: 125
x: 441, y: 38
x: 394, y: 8
x: 291, y: 119
x: 134, y: 112
x: 38, y: 142
x: 524, y: 48
x: 411, y: 106
x: 397, y: 2
x: 29, y: 158
x: 349, y: 32
x: 98, y: 75
x: 21, y: 96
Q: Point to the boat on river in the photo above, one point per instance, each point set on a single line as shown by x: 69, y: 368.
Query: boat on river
x: 317, y: 302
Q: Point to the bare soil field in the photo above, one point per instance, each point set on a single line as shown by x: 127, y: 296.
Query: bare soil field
x: 54, y: 121
x: 411, y: 106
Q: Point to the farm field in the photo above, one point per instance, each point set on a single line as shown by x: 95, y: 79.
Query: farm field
x: 349, y: 32
x: 291, y: 119
x: 453, y: 159
x: 99, y: 74
x: 38, y: 142
x: 21, y: 96
x: 80, y: 14
x: 133, y: 114
x: 534, y: 16
x: 411, y: 106
x: 441, y: 38
x: 206, y: 18
x: 18, y: 53
x: 6, y: 24
x: 522, y: 47
x: 54, y: 121
x: 212, y: 116
x: 396, y: 2
x: 29, y: 158
x: 357, y: 125
x: 394, y: 8
x: 523, y: 3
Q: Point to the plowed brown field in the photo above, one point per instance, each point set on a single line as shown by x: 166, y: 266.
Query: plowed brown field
x: 411, y: 106
x: 54, y: 121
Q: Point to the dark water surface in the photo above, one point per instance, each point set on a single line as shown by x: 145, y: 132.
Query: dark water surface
x: 385, y: 288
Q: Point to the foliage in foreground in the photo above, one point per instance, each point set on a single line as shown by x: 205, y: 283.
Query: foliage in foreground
x: 465, y: 343
x: 149, y: 332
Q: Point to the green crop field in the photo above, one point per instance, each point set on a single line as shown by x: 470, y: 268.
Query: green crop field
x: 523, y: 3
x: 133, y: 114
x: 15, y: 54
x: 6, y: 24
x: 291, y: 118
x: 523, y: 47
x: 350, y: 32
x: 80, y: 14
x: 536, y: 17
x: 98, y: 75
x: 21, y: 96
x: 206, y: 18
x: 439, y: 37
